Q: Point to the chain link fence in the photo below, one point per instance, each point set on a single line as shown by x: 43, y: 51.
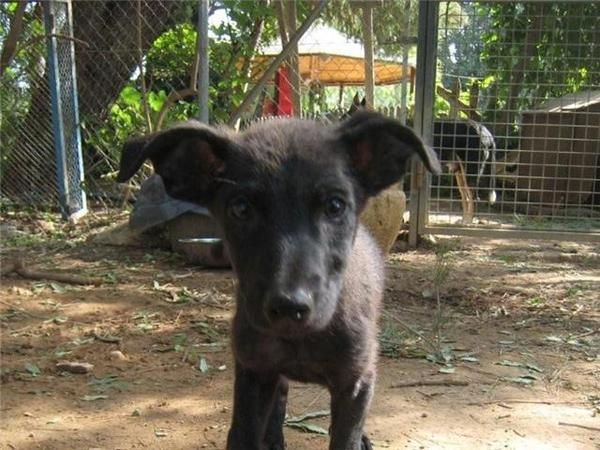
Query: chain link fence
x: 121, y: 89
x: 27, y: 164
x: 136, y: 67
x: 515, y: 115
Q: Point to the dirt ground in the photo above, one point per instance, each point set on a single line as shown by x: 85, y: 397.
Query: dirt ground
x: 510, y: 360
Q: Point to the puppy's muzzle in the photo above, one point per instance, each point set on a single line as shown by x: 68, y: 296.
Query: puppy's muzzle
x: 295, y: 307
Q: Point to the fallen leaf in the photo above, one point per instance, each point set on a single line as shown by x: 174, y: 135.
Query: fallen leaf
x: 57, y: 288
x: 32, y: 369
x: 307, y: 427
x: 469, y: 359
x: 310, y: 415
x: 203, y: 365
x: 56, y: 319
x: 91, y: 398
x: 74, y: 367
x: 529, y: 366
x: 534, y: 368
x: 526, y: 379
x: 506, y: 362
x: 427, y: 293
x: 60, y: 352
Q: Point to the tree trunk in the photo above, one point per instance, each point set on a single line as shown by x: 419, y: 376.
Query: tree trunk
x: 106, y: 50
x: 517, y: 76
x: 109, y: 27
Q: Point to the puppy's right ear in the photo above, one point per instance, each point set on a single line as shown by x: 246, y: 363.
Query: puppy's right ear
x: 189, y: 159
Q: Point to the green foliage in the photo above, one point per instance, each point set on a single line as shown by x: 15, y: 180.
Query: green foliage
x: 169, y: 60
x: 22, y: 76
x: 460, y: 42
x: 168, y: 68
x: 390, y: 19
x: 540, y: 50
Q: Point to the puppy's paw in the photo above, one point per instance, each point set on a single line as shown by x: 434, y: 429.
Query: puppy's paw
x: 276, y: 442
x: 277, y: 446
x: 365, y: 443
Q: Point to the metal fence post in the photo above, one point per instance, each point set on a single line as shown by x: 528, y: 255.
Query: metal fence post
x: 424, y: 97
x: 203, y: 74
x: 64, y: 106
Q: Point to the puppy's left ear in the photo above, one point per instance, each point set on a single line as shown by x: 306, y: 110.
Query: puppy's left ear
x: 380, y: 150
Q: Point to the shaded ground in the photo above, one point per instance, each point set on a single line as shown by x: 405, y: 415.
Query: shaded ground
x: 518, y: 330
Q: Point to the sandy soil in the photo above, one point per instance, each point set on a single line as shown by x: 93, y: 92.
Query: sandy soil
x: 511, y: 360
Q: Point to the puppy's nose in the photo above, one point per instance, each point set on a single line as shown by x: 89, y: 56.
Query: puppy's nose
x: 295, y: 306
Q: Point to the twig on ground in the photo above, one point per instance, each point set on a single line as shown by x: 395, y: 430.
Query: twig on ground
x: 18, y: 266
x: 531, y: 402
x: 23, y: 311
x: 589, y: 333
x: 585, y: 427
x: 107, y: 339
x: 430, y: 383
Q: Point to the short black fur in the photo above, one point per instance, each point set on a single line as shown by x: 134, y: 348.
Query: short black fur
x: 287, y: 195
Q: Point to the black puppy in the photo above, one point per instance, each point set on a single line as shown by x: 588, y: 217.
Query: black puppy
x: 288, y: 194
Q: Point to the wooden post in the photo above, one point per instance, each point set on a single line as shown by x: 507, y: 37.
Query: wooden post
x: 268, y: 73
x: 474, y: 95
x: 466, y: 195
x: 290, y: 18
x: 455, y: 91
x: 367, y: 20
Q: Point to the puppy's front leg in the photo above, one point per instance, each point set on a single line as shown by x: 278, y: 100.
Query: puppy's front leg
x: 348, y: 411
x: 274, y: 431
x: 254, y: 395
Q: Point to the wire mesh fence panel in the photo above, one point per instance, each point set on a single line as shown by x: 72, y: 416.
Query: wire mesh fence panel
x: 326, y: 74
x: 125, y: 84
x: 27, y: 164
x: 516, y: 113
x: 124, y: 88
x: 517, y: 116
x: 137, y: 67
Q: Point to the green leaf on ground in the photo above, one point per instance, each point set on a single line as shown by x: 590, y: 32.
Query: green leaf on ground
x: 32, y: 369
x: 307, y: 416
x: 307, y: 428
x: 203, y: 365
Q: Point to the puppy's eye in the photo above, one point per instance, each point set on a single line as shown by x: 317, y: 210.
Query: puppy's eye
x: 239, y: 208
x: 334, y: 207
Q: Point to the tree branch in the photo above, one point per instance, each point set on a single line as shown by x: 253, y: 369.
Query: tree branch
x: 9, y: 48
x: 19, y: 267
x: 171, y: 99
x: 459, y: 105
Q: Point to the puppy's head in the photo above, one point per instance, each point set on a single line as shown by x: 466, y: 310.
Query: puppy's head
x: 287, y: 195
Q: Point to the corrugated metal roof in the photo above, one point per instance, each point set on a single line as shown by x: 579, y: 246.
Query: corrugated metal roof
x: 570, y: 102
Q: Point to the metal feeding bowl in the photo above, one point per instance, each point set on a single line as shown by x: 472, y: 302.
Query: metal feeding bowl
x: 190, y: 229
x: 195, y: 236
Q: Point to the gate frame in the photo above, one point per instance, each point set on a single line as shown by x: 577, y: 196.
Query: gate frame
x: 72, y: 199
x: 427, y: 45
